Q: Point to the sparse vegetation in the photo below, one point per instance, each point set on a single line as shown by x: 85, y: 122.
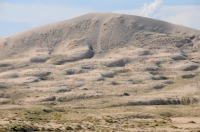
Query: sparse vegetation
x: 174, y: 127
x: 114, y: 83
x: 191, y: 122
x: 126, y: 94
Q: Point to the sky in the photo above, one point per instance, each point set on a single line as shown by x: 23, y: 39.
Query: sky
x: 19, y: 15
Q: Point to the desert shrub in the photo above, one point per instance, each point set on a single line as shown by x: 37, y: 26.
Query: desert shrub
x: 158, y: 86
x: 59, y: 62
x: 5, y: 101
x: 109, y: 120
x: 114, y: 83
x: 39, y: 59
x: 191, y: 122
x: 188, y: 100
x: 43, y: 129
x: 174, y: 127
x: 108, y: 74
x: 126, y: 94
x: 168, y: 82
x: 159, y: 78
x: 85, y: 89
x: 78, y: 127
x: 63, y: 90
x: 53, y: 98
x: 47, y: 110
x: 11, y: 75
x: 188, y: 76
x: 139, y: 124
x: 24, y: 128
x: 68, y: 128
x: 2, y: 86
x: 118, y: 63
x: 42, y: 74
x: 153, y: 125
x: 169, y: 101
x: 4, y: 64
x: 166, y: 114
x: 189, y: 68
x: 154, y: 72
x: 50, y: 129
x: 123, y: 70
x: 151, y: 68
x: 178, y: 57
x: 70, y: 72
x: 87, y: 67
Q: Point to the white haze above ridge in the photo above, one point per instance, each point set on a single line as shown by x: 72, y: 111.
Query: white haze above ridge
x: 182, y: 15
x: 149, y: 9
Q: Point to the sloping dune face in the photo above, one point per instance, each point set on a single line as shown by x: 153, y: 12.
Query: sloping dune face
x: 101, y: 31
x: 100, y: 51
x: 103, y: 59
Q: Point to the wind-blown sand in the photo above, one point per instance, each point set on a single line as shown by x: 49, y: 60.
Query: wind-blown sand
x: 98, y: 62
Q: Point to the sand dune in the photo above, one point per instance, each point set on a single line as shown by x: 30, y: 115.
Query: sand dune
x: 98, y: 61
x: 101, y: 31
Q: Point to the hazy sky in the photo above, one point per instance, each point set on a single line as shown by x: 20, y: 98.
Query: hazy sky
x: 20, y: 15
